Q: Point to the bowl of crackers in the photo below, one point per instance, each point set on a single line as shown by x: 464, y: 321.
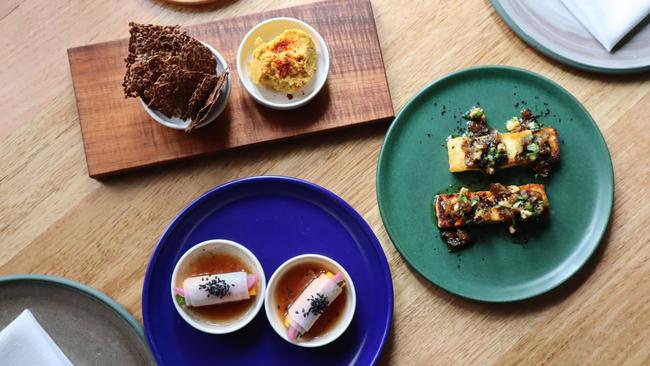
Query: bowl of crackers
x: 182, y: 83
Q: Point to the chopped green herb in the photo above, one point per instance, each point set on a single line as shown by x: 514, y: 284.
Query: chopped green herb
x: 532, y: 151
x: 180, y: 300
x: 475, y: 113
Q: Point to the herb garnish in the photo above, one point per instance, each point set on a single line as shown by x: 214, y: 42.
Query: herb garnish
x: 532, y: 149
x: 180, y: 299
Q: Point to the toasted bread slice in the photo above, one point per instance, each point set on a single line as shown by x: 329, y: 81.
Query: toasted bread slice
x: 514, y: 143
x: 489, y: 208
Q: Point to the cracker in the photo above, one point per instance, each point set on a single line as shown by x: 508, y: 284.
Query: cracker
x: 172, y: 92
x: 196, y: 57
x: 201, y: 94
x: 209, y: 102
x: 170, y: 71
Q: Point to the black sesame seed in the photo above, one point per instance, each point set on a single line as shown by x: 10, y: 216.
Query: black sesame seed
x: 318, y: 303
x: 216, y: 287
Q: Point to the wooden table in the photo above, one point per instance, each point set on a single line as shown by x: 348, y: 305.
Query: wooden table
x: 56, y: 220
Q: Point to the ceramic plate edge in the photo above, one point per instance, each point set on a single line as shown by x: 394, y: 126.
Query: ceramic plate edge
x: 555, y: 56
x: 610, y: 199
x: 84, y: 290
x: 348, y: 208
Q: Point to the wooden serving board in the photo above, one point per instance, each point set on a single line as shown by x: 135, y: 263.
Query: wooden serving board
x: 118, y: 135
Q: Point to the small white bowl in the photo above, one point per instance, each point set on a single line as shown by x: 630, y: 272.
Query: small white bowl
x: 220, y: 246
x: 267, y: 30
x: 270, y: 304
x: 179, y: 124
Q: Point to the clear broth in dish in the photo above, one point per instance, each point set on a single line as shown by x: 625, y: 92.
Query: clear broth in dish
x: 291, y: 285
x: 215, y: 264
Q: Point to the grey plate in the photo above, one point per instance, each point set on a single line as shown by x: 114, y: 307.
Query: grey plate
x: 89, y: 327
x: 549, y: 27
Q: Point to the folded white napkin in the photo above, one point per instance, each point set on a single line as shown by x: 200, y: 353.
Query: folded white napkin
x: 24, y: 342
x: 609, y: 20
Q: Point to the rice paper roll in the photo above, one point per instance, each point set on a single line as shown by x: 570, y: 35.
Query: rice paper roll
x: 217, y: 288
x: 312, y: 303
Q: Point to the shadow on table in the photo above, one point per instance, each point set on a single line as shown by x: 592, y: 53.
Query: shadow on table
x: 515, y: 308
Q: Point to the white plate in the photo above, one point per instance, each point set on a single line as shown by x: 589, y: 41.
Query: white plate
x: 277, y: 323
x: 179, y: 124
x: 222, y: 246
x: 550, y: 27
x: 267, y: 30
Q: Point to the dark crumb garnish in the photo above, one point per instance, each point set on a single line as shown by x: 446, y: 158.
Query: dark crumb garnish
x: 529, y: 120
x: 215, y: 287
x: 317, y: 304
x: 476, y: 122
x: 542, y: 168
x: 456, y: 239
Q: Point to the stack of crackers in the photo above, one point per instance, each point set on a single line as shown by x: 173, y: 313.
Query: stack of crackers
x: 172, y: 72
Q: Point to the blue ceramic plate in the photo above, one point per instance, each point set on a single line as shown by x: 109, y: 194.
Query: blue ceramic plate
x: 276, y: 218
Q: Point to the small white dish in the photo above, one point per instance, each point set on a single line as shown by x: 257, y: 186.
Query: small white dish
x: 270, y: 303
x: 267, y: 30
x: 220, y: 246
x: 179, y: 124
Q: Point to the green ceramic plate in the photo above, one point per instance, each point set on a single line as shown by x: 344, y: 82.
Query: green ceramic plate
x: 413, y: 168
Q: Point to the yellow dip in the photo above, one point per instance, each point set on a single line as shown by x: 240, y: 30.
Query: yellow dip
x: 286, y: 63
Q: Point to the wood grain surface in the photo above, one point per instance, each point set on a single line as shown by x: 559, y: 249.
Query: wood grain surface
x: 118, y: 134
x: 56, y: 220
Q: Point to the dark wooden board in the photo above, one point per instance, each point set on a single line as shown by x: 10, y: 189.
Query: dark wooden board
x: 118, y: 135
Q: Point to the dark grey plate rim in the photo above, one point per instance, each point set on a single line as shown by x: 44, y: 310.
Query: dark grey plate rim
x: 557, y: 57
x: 84, y: 290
